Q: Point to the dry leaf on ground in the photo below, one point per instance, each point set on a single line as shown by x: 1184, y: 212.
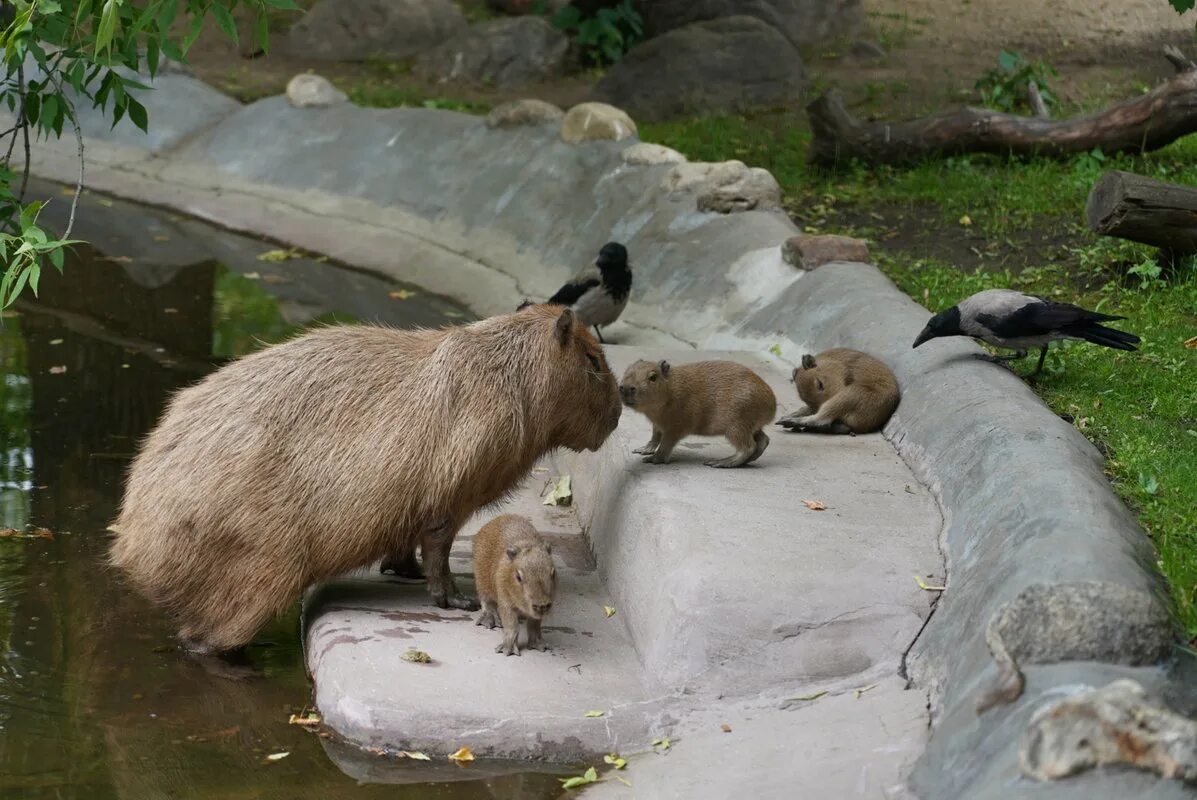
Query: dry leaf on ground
x: 609, y: 611
x: 308, y: 719
x: 561, y: 494
x: 663, y: 742
x: 590, y: 776
x: 401, y: 294
x: 417, y: 755
x: 278, y: 756
x: 1191, y: 343
x: 615, y: 760
x: 927, y: 587
x: 277, y: 256
x: 463, y: 754
x: 417, y: 657
x: 725, y: 728
x: 815, y: 505
x: 57, y: 370
x: 594, y: 713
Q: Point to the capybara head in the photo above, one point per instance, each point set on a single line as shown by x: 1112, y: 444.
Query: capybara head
x: 584, y: 393
x: 644, y: 384
x: 531, y: 566
x: 817, y: 382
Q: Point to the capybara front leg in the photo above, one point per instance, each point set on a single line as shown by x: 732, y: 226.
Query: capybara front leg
x: 535, y: 637
x: 489, y: 618
x: 664, y: 450
x: 436, y: 544
x: 826, y: 420
x: 651, y: 447
x: 511, y: 632
x: 789, y: 419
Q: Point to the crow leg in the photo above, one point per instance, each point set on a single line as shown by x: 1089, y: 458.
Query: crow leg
x: 599, y: 333
x: 1039, y: 366
x: 1016, y: 356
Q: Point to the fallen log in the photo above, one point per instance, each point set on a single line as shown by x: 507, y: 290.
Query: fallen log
x: 1141, y: 209
x: 1147, y: 122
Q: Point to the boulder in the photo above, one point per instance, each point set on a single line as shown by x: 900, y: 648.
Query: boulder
x: 518, y: 113
x: 647, y: 154
x: 590, y: 121
x: 356, y: 30
x: 726, y: 187
x: 810, y: 252
x: 501, y: 52
x: 516, y: 7
x: 726, y: 64
x: 312, y: 91
x: 802, y: 22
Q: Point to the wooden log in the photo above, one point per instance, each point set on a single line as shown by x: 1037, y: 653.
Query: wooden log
x: 1147, y: 122
x: 1035, y: 100
x: 1129, y: 206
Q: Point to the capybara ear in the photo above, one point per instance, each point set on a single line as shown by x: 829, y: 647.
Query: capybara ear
x: 565, y: 326
x: 794, y: 375
x: 808, y: 362
x: 512, y: 552
x: 664, y: 367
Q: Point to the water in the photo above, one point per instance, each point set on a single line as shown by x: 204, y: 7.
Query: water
x: 95, y: 701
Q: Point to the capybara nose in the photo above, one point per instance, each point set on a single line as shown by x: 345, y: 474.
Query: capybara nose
x: 628, y: 393
x: 541, y: 610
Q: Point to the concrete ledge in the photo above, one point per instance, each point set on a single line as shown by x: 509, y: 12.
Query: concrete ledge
x: 489, y: 216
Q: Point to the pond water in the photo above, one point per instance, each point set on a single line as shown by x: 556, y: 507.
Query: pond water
x: 95, y: 701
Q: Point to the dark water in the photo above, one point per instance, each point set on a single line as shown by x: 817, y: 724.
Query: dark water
x: 95, y: 702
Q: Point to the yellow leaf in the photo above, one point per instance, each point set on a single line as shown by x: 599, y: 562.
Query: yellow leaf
x: 463, y: 754
x: 966, y: 220
x: 623, y: 780
x: 415, y: 754
x: 590, y: 776
x: 609, y: 611
x: 594, y: 713
x: 162, y: 237
x: 561, y: 494
x: 615, y: 760
x: 1191, y: 343
x: 277, y: 256
x: 815, y: 505
x: 805, y: 697
x: 401, y: 294
x: 776, y: 350
x: 663, y: 742
x: 925, y: 587
x: 417, y: 657
x: 858, y: 692
x: 278, y: 756
x: 308, y: 719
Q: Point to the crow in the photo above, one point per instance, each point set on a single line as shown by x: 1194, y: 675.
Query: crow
x: 1016, y: 321
x: 599, y: 293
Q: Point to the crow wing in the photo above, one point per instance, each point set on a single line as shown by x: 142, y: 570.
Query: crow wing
x: 577, y: 286
x: 1039, y: 319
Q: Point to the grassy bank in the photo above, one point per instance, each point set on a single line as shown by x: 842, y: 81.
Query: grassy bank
x: 946, y: 229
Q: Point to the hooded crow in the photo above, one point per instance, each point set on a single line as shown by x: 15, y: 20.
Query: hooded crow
x: 599, y: 293
x: 1016, y: 321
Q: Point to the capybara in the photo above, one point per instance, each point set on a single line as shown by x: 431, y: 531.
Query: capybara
x: 706, y: 398
x: 845, y: 391
x: 326, y: 452
x: 515, y: 576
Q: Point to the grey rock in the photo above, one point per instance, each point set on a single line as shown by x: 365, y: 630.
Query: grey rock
x: 356, y: 30
x: 728, y: 64
x: 1117, y: 724
x: 867, y: 50
x: 588, y: 122
x: 518, y: 113
x: 725, y: 187
x: 501, y: 52
x: 516, y: 7
x: 648, y: 154
x: 313, y: 91
x: 803, y: 22
x: 811, y: 252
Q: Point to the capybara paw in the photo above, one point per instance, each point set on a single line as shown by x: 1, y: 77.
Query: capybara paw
x: 539, y: 644
x: 655, y: 458
x: 724, y: 463
x: 647, y: 450
x: 489, y: 620
x: 462, y: 602
x: 508, y: 647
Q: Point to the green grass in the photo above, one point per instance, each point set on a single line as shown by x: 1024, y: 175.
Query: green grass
x: 1140, y: 409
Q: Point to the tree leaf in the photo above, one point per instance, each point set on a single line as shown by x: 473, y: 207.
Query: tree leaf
x: 594, y: 713
x: 107, y: 27
x: 152, y: 53
x: 225, y: 20
x: 263, y: 32
x: 138, y: 114
x: 463, y: 754
x: 590, y: 776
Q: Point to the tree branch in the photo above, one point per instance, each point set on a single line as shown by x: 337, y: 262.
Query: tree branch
x: 1035, y: 99
x: 1179, y: 61
x: 70, y: 112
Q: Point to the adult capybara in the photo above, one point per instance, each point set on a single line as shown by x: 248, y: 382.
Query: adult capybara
x: 322, y: 454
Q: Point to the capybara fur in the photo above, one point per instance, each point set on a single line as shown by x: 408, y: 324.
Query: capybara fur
x: 515, y: 576
x: 706, y: 398
x: 845, y: 391
x: 326, y: 452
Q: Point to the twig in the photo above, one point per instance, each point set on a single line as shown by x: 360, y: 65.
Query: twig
x: 1038, y: 107
x: 21, y: 121
x: 1179, y: 61
x: 78, y: 140
x: 25, y: 168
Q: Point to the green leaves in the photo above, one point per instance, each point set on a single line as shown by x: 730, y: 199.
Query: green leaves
x: 606, y: 36
x: 590, y: 776
x: 225, y: 20
x: 107, y: 27
x: 1182, y: 6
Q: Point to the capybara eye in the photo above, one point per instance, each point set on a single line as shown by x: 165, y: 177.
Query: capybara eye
x: 519, y: 576
x: 820, y: 383
x: 594, y: 362
x: 652, y: 376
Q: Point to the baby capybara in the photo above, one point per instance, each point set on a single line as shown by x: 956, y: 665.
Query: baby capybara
x: 324, y: 453
x: 845, y: 391
x: 515, y: 576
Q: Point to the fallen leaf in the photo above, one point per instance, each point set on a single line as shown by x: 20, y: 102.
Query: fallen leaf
x: 609, y: 611
x: 562, y: 494
x: 417, y: 657
x: 57, y: 370
x: 623, y: 780
x: 170, y: 311
x: 278, y: 756
x: 463, y: 754
x: 104, y: 202
x: 776, y: 350
x: 806, y: 697
x: 401, y: 294
x: 42, y: 533
x: 56, y: 341
x: 590, y: 776
x: 418, y: 756
x: 725, y: 728
x: 594, y: 713
x: 858, y: 692
x: 1191, y: 343
x: 271, y: 278
x: 115, y: 259
x: 925, y: 587
x: 308, y: 719
x: 277, y: 256
x: 615, y: 760
x: 663, y: 742
x: 966, y: 220
x: 161, y: 238
x: 253, y: 276
x: 67, y: 191
x: 815, y: 505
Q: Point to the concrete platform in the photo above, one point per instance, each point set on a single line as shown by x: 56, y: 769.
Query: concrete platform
x: 732, y: 599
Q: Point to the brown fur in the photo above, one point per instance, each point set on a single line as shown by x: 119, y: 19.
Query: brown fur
x: 707, y: 398
x: 845, y: 391
x: 514, y: 572
x: 324, y: 453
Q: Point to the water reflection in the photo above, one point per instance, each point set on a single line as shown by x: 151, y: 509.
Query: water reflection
x: 94, y: 701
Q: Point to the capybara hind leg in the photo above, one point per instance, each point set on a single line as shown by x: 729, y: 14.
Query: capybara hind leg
x: 761, y: 441
x: 745, y: 446
x: 437, y: 542
x: 489, y: 618
x: 404, y: 567
x: 789, y: 419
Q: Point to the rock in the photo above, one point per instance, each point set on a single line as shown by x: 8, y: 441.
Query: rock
x: 802, y: 22
x: 810, y: 252
x: 518, y: 113
x: 645, y: 153
x: 501, y: 52
x: 356, y: 30
x: 867, y: 50
x: 726, y: 187
x: 590, y: 121
x: 312, y: 91
x: 1116, y: 724
x: 516, y: 7
x: 727, y: 64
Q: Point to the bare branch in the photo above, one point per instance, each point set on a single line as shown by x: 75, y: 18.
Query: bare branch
x: 1038, y: 107
x: 70, y: 112
x: 1179, y: 61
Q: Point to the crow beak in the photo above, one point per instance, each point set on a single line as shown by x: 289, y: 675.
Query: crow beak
x: 926, y: 335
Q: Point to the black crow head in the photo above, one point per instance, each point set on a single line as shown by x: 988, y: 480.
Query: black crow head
x: 945, y: 323
x: 613, y: 256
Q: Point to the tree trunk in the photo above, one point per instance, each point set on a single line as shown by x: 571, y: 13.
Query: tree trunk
x: 1129, y: 206
x: 1144, y: 123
